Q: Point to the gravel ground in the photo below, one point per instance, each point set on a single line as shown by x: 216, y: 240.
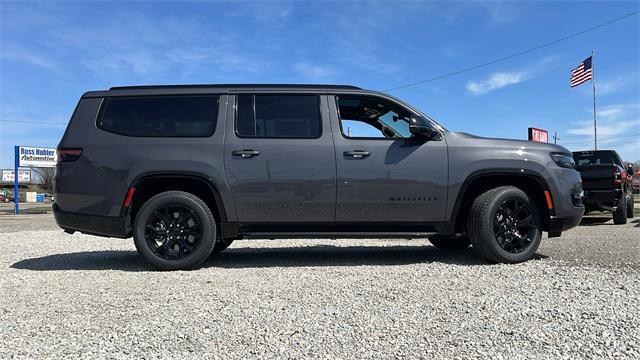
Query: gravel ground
x: 83, y: 296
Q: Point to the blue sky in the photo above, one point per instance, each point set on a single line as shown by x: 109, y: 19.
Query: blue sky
x: 52, y: 52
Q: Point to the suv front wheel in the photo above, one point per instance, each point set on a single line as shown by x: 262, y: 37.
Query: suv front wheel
x: 174, y: 230
x: 504, y: 225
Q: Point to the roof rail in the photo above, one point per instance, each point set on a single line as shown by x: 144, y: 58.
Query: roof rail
x: 304, y: 86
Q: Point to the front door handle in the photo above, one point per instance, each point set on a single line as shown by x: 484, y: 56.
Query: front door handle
x: 358, y: 154
x: 246, y: 153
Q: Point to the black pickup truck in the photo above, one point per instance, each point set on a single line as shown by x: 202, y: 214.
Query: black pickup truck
x: 607, y: 183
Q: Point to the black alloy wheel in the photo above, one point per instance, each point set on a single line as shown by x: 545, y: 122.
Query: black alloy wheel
x: 173, y: 231
x: 513, y: 226
x: 504, y: 225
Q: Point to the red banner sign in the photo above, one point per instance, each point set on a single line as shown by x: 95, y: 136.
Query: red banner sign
x: 538, y: 135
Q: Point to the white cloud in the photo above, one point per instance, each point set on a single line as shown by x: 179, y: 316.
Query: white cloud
x: 616, y: 84
x: 144, y: 48
x: 618, y: 127
x: 496, y: 81
x: 18, y: 54
x: 313, y: 72
x: 501, y: 12
x: 268, y: 13
x: 606, y: 129
x: 139, y: 50
x: 614, y: 112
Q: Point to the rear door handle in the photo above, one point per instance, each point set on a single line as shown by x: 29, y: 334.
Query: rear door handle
x: 246, y: 153
x: 358, y: 154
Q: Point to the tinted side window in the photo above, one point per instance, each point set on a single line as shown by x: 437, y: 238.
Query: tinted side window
x: 160, y: 116
x: 278, y: 116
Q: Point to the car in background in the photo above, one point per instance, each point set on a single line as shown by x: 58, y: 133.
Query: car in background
x: 6, y: 198
x: 607, y: 183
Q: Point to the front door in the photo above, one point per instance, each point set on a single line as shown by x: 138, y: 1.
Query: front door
x: 384, y: 174
x: 279, y: 159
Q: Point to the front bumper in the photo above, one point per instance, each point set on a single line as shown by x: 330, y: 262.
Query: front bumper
x: 91, y: 224
x: 560, y: 224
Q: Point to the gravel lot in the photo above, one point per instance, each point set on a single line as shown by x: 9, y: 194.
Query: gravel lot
x: 83, y: 296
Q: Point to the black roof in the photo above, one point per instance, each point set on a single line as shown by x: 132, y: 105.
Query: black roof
x: 236, y: 86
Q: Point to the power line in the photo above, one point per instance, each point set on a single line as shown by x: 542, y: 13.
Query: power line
x: 514, y: 55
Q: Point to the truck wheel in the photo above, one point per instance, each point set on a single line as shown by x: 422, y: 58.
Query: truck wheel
x: 620, y: 215
x: 450, y: 242
x: 630, y: 207
x: 174, y: 230
x: 504, y: 225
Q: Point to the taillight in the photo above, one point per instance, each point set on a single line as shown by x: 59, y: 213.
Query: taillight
x: 68, y: 154
x: 616, y: 176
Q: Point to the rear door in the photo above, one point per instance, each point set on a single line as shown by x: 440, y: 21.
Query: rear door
x: 384, y: 174
x: 279, y: 158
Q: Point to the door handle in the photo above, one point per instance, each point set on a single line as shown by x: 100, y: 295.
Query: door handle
x: 358, y: 154
x: 246, y: 153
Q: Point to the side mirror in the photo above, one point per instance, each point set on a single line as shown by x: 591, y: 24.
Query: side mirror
x: 630, y: 169
x: 422, y: 129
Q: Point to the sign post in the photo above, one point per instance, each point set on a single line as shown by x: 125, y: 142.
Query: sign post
x: 16, y: 206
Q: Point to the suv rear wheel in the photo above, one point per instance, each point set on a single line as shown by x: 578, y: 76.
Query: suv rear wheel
x: 174, y: 230
x: 504, y: 225
x: 630, y: 205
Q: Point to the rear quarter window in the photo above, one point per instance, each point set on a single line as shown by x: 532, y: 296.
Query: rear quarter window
x: 160, y: 116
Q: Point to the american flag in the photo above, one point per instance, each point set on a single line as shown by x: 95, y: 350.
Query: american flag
x: 582, y: 73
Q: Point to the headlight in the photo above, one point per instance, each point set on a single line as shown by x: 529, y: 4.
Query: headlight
x: 563, y: 160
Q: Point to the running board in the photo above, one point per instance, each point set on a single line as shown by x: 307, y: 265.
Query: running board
x: 336, y: 235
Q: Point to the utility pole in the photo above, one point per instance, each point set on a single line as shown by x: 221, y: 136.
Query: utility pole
x: 556, y: 138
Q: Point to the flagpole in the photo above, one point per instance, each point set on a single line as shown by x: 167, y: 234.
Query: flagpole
x: 593, y: 85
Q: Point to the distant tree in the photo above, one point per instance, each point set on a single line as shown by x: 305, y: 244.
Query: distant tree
x: 46, y: 178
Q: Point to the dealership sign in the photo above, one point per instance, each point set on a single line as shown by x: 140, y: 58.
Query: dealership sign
x: 37, y: 156
x: 538, y: 135
x: 23, y: 175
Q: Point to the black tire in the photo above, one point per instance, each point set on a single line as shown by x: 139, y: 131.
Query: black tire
x: 450, y: 242
x: 620, y: 215
x: 496, y: 232
x: 193, y: 215
x: 630, y: 206
x: 221, y: 245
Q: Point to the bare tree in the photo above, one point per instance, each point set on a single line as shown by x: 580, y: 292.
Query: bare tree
x: 46, y: 178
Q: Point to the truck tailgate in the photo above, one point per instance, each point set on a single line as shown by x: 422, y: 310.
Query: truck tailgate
x: 596, y: 176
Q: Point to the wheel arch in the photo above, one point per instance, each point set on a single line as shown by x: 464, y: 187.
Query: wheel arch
x: 151, y: 183
x: 477, y: 183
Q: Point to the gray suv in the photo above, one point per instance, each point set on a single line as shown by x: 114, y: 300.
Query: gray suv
x: 186, y: 170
